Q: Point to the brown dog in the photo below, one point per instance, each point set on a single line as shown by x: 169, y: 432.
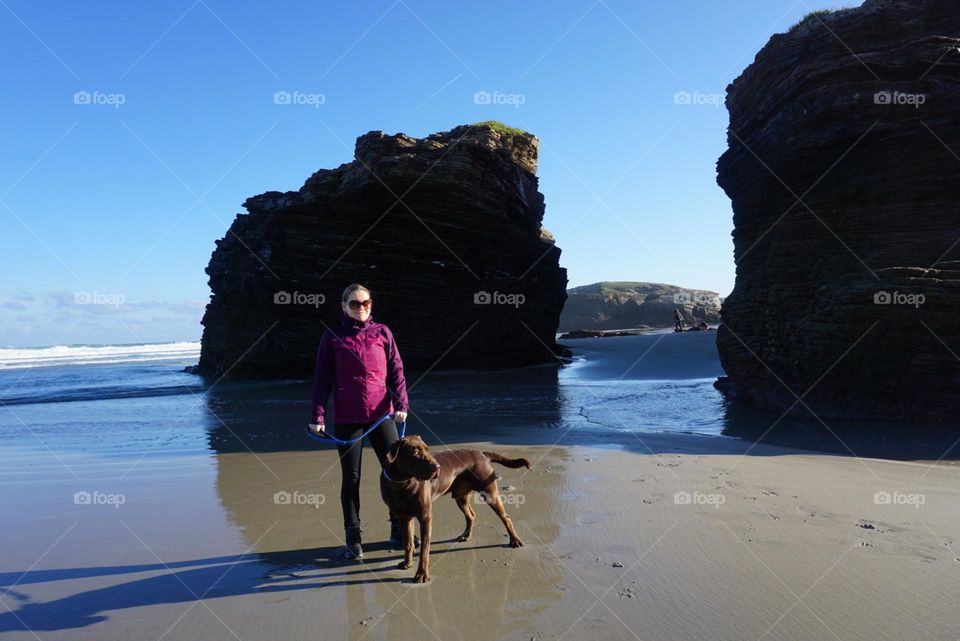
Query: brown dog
x: 414, y: 478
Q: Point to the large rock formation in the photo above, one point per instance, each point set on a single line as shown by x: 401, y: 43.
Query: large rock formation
x: 844, y: 175
x: 620, y: 305
x: 445, y: 231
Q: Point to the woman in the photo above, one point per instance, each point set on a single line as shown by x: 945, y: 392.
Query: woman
x: 359, y: 360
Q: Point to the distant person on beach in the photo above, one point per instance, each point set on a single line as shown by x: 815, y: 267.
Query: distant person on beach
x: 359, y: 360
x: 678, y: 321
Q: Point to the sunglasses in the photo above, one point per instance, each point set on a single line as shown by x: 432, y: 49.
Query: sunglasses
x: 355, y: 304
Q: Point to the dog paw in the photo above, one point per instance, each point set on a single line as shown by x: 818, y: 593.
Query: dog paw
x: 421, y: 577
x: 463, y: 538
x: 404, y: 565
x: 516, y: 543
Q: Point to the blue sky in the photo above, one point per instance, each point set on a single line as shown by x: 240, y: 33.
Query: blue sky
x: 111, y: 199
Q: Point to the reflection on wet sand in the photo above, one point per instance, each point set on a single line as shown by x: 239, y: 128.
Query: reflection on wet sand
x: 447, y: 407
x: 287, y: 506
x: 874, y: 439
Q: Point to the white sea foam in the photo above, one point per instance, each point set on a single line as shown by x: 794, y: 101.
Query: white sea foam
x: 14, y: 358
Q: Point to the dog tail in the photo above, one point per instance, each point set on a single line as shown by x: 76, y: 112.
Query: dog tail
x: 507, y: 462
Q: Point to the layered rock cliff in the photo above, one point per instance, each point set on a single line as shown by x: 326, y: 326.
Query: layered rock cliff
x: 446, y: 232
x: 621, y: 305
x: 844, y: 176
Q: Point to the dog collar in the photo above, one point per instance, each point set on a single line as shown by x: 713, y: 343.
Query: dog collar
x: 387, y: 476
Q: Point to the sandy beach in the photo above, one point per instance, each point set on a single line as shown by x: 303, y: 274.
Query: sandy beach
x: 652, y: 537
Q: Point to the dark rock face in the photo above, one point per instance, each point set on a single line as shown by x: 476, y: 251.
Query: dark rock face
x: 844, y: 176
x: 620, y: 305
x: 444, y: 230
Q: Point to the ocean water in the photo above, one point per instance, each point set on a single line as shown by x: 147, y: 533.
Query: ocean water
x: 66, y: 409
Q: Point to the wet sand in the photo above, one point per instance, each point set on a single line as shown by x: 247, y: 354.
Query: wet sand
x: 660, y: 536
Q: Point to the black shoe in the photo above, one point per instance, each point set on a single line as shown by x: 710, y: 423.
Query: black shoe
x: 352, y: 547
x: 396, y: 535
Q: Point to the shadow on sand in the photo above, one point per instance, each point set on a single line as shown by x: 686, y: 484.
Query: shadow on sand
x: 197, y: 579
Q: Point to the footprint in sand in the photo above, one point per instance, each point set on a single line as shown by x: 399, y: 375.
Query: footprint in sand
x: 890, y: 540
x: 878, y: 527
x: 720, y: 472
x: 627, y: 593
x: 775, y: 517
x: 591, y: 518
x: 814, y: 513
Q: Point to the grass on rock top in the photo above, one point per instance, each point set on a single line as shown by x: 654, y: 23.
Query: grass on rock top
x: 499, y: 127
x: 813, y: 16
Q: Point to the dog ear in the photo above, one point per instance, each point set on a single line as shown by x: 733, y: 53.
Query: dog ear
x: 394, y: 451
x: 419, y: 440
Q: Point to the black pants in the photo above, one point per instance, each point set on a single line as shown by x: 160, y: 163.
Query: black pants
x: 381, y: 439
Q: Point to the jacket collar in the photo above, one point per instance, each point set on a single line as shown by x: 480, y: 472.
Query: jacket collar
x: 348, y: 321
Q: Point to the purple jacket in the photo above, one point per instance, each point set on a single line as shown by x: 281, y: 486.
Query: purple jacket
x: 359, y: 361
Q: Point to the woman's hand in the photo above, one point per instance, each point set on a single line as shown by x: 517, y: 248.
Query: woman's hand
x: 316, y: 428
x: 399, y: 417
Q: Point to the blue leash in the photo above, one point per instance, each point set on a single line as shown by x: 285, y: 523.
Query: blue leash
x: 327, y: 438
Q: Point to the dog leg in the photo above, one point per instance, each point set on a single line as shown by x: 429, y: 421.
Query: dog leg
x: 496, y: 504
x: 406, y: 526
x: 423, y: 570
x: 463, y: 502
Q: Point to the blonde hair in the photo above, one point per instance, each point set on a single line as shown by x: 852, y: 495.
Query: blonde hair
x: 352, y: 288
